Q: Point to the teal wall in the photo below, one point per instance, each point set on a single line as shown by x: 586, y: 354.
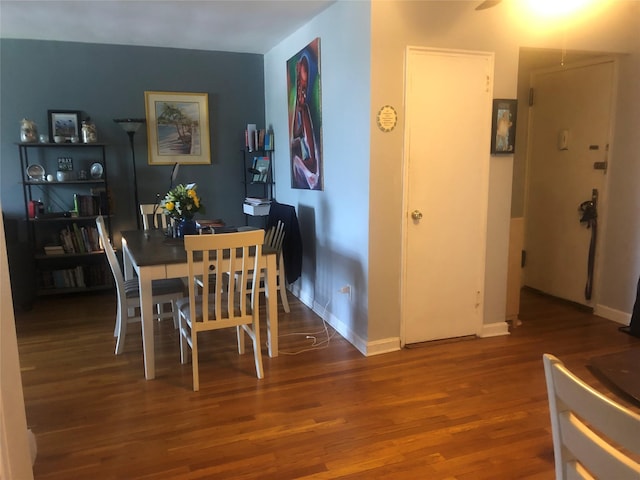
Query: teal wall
x: 107, y: 82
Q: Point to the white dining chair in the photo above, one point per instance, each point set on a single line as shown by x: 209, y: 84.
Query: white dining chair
x: 274, y: 238
x: 592, y: 434
x: 167, y: 291
x: 152, y: 216
x: 229, y: 304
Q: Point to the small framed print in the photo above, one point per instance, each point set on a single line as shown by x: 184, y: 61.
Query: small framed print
x: 63, y: 123
x: 503, y: 126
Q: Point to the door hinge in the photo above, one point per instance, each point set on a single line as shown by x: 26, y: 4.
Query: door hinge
x: 531, y: 97
x: 523, y: 258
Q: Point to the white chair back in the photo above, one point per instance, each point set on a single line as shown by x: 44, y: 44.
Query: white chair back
x: 152, y: 216
x: 111, y: 256
x: 590, y: 431
x: 229, y: 304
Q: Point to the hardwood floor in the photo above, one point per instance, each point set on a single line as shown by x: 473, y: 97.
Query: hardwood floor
x: 467, y: 409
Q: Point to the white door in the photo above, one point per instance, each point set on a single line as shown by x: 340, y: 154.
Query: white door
x: 448, y: 128
x: 569, y: 132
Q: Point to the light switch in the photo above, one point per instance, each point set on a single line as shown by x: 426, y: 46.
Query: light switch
x: 563, y: 140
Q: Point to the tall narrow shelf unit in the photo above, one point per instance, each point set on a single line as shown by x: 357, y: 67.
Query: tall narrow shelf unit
x: 258, y: 182
x: 67, y: 254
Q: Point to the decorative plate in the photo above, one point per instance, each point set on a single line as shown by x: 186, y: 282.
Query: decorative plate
x: 96, y: 170
x: 35, y: 172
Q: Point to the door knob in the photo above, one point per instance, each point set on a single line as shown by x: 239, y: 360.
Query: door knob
x: 416, y: 215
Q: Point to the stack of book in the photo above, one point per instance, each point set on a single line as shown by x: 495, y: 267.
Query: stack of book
x: 256, y: 206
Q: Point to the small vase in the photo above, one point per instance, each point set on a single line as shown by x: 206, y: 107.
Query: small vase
x: 187, y: 227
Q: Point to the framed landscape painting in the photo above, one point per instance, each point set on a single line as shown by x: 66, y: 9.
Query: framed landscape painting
x: 178, y: 128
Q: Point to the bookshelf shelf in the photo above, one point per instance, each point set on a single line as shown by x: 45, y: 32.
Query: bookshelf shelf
x: 60, y: 215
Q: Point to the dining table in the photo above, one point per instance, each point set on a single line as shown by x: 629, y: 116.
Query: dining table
x: 152, y: 255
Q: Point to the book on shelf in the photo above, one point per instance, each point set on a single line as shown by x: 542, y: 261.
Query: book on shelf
x: 87, y: 205
x: 250, y: 136
x: 104, y: 200
x: 268, y: 141
x: 79, y: 239
x: 54, y: 250
x: 261, y: 164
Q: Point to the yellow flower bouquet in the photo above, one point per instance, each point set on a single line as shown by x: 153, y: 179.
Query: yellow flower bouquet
x: 182, y: 202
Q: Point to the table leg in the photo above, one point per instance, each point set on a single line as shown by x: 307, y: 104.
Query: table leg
x: 126, y: 259
x: 271, y: 296
x: 146, y: 315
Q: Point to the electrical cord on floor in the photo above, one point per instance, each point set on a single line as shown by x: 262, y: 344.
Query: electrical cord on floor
x: 316, y: 344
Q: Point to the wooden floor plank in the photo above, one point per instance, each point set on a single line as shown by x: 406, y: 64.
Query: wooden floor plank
x: 471, y: 409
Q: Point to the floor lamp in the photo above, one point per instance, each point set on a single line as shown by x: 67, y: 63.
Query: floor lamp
x: 131, y: 126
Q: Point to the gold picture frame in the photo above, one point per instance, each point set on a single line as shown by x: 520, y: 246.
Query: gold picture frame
x: 178, y: 128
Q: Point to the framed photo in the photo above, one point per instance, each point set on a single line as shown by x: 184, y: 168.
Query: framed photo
x: 178, y: 128
x: 503, y: 126
x: 305, y: 117
x: 63, y: 123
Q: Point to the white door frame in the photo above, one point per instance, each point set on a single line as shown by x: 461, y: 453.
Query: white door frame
x: 405, y: 175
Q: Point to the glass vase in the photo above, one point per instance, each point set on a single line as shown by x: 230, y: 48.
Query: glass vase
x: 187, y: 227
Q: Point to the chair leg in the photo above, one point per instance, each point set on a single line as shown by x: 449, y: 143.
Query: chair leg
x: 194, y: 361
x: 240, y: 334
x: 184, y: 345
x: 121, y: 328
x: 257, y: 352
x: 283, y: 293
x: 174, y: 314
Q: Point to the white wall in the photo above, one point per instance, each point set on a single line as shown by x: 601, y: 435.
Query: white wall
x: 334, y: 222
x: 504, y: 29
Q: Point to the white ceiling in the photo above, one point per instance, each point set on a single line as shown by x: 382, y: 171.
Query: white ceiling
x: 252, y: 26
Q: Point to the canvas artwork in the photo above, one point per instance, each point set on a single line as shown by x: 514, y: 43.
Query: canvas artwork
x: 305, y: 117
x: 178, y: 128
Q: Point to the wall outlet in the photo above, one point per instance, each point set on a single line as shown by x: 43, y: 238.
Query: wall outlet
x: 345, y: 289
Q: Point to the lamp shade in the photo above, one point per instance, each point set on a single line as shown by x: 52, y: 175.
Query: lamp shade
x: 130, y: 124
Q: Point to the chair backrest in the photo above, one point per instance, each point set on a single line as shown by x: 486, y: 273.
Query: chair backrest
x: 275, y: 236
x: 590, y: 431
x: 111, y: 257
x: 152, y: 211
x: 228, y: 303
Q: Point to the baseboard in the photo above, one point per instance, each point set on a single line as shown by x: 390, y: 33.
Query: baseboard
x: 494, y: 329
x: 623, y: 318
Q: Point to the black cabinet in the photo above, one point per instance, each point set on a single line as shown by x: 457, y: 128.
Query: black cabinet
x: 65, y: 188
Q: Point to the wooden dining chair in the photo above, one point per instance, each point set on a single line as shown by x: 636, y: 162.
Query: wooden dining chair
x: 592, y: 434
x: 274, y: 238
x: 152, y: 216
x: 167, y: 291
x: 229, y: 304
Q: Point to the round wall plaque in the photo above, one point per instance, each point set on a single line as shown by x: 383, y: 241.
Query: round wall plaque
x: 387, y: 118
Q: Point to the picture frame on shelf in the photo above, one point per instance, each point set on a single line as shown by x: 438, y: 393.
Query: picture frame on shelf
x: 178, y: 128
x: 503, y: 126
x: 63, y: 123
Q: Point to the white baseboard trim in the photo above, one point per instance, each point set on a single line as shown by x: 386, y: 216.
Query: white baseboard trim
x: 494, y: 329
x: 612, y: 314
